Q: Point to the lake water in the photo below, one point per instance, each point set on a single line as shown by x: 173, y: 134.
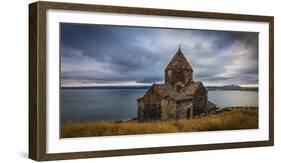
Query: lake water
x: 117, y: 104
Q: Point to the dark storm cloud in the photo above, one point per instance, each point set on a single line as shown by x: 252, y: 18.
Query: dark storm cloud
x: 98, y: 54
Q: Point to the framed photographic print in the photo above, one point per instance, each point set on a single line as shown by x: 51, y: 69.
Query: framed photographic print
x: 112, y: 81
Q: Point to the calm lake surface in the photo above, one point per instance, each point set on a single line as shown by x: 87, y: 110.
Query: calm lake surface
x: 117, y: 104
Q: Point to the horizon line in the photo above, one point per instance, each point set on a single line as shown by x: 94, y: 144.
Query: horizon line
x: 148, y: 85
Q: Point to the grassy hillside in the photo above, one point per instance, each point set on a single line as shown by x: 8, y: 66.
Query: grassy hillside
x: 226, y: 120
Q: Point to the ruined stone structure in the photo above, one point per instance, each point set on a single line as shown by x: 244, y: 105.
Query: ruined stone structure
x: 178, y: 98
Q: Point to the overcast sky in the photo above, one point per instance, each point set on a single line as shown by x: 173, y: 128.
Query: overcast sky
x: 108, y: 55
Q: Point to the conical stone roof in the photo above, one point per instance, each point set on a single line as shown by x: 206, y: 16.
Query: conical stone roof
x: 179, y: 62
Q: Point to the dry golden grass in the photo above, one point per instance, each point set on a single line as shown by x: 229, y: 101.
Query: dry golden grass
x: 227, y: 120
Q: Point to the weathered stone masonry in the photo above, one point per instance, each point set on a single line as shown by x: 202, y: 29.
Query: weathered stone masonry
x: 178, y: 98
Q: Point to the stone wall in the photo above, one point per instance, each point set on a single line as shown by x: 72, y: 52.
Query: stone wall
x: 174, y: 76
x: 168, y: 109
x: 200, y: 100
x: 184, y: 110
x: 149, y: 111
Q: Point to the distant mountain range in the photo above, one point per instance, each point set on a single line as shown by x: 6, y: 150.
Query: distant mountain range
x: 232, y: 87
x: 225, y: 87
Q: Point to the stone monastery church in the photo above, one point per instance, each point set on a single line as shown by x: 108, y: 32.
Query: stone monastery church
x: 178, y: 98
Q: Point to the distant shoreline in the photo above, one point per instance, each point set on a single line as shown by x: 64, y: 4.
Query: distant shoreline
x: 108, y: 87
x: 210, y: 88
